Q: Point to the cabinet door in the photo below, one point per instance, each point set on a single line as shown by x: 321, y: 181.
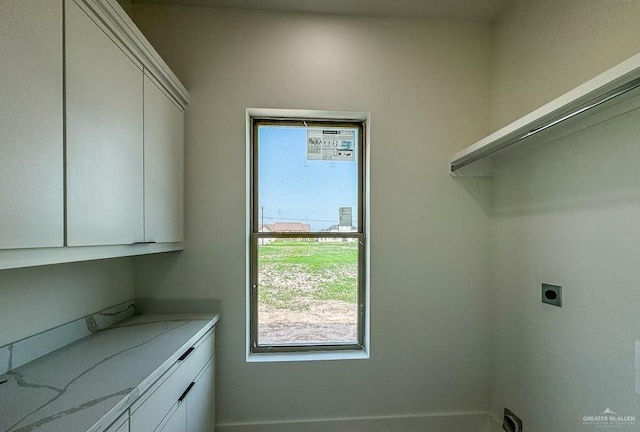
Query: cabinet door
x: 120, y: 425
x: 31, y: 104
x: 104, y: 104
x: 201, y: 402
x: 175, y: 421
x: 163, y: 165
x: 123, y: 428
x: 153, y: 405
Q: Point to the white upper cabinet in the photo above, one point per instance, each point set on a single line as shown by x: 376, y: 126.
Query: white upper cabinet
x: 104, y: 105
x: 163, y: 165
x: 120, y: 425
x: 91, y: 136
x: 31, y: 104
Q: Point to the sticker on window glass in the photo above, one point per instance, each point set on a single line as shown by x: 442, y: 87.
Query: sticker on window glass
x: 331, y: 144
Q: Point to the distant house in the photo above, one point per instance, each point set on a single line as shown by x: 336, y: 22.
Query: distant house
x: 283, y: 227
x: 287, y: 227
x: 337, y: 228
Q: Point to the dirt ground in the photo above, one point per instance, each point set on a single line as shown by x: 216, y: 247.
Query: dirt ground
x: 323, y: 321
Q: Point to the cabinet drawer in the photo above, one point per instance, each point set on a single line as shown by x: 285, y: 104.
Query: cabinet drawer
x: 120, y: 425
x: 201, y: 401
x: 153, y: 406
x: 176, y: 420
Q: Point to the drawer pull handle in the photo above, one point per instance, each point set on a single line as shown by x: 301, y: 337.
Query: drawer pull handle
x: 186, y: 354
x: 184, y: 394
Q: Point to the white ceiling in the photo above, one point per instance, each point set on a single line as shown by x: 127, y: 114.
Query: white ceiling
x: 478, y: 10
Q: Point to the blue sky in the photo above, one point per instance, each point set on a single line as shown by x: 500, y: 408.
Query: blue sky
x: 294, y: 189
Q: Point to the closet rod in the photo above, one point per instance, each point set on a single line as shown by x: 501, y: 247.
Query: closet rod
x: 612, y: 94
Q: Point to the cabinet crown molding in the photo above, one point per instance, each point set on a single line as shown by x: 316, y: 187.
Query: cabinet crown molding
x: 127, y: 33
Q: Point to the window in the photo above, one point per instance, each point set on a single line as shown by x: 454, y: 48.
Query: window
x: 307, y: 252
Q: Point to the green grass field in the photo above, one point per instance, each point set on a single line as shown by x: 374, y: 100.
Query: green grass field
x: 293, y: 275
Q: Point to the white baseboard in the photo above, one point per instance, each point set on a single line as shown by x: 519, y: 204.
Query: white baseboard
x: 455, y: 422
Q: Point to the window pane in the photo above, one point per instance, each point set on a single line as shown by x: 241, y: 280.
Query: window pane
x: 307, y: 179
x: 307, y: 291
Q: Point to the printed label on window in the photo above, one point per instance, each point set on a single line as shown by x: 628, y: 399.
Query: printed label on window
x: 331, y: 144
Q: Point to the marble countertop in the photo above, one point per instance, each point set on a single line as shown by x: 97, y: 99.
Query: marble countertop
x: 88, y: 384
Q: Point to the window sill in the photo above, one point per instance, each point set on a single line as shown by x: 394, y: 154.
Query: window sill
x: 307, y: 356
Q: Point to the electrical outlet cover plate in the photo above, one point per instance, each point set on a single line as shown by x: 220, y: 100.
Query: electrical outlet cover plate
x: 511, y: 422
x: 552, y: 294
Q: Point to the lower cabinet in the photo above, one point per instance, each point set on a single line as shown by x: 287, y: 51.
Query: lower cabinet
x: 176, y: 420
x: 120, y: 425
x: 184, y: 398
x: 194, y: 410
x: 201, y: 401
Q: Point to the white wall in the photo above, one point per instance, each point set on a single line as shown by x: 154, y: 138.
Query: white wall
x: 426, y: 84
x: 565, y: 213
x: 544, y: 48
x: 36, y: 299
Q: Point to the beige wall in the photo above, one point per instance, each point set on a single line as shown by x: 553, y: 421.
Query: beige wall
x: 39, y: 298
x: 544, y: 48
x: 565, y: 213
x: 426, y: 84
x: 127, y: 5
